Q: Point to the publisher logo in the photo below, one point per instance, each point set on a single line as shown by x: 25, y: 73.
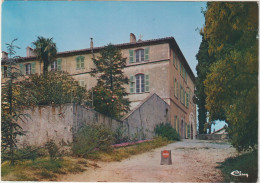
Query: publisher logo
x: 238, y: 173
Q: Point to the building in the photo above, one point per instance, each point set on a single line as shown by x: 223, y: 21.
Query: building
x: 153, y: 66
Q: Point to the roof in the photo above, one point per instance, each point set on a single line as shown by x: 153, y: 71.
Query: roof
x: 169, y: 40
x: 223, y: 128
x: 139, y: 105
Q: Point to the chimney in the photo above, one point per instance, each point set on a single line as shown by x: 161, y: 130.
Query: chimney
x: 132, y: 38
x: 91, y: 44
x: 4, y: 55
x: 29, y: 52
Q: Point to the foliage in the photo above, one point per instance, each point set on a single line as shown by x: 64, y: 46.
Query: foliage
x: 52, y: 149
x: 121, y: 153
x: 166, y: 130
x: 91, y: 137
x: 231, y: 86
x: 119, y: 136
x: 204, y: 62
x: 53, y: 88
x: 40, y: 169
x: 246, y: 163
x: 109, y: 93
x: 11, y: 104
x: 45, y: 50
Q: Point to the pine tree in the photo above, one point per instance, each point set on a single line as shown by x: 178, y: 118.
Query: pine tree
x: 109, y: 93
x: 11, y: 105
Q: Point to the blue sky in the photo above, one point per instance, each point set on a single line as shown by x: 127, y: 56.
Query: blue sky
x: 71, y: 24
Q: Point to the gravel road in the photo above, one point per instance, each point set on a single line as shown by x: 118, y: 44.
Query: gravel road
x: 192, y: 161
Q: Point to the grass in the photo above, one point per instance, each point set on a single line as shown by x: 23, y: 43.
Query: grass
x: 246, y: 163
x: 121, y: 153
x: 40, y: 169
x: 43, y: 169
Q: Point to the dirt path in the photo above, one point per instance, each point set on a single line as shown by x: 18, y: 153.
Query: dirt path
x: 193, y: 161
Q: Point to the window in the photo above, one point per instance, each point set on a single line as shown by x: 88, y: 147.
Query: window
x: 80, y: 62
x: 54, y: 65
x: 139, y: 83
x: 139, y: 55
x: 28, y: 69
x: 4, y: 71
x: 82, y: 83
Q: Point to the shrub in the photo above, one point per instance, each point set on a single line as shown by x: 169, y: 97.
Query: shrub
x: 91, y: 137
x: 52, y: 149
x: 119, y: 136
x: 166, y: 130
x: 52, y: 88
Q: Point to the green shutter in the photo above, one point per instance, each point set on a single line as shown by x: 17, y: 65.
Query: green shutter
x: 188, y: 131
x: 178, y: 124
x: 59, y: 64
x: 177, y: 90
x: 33, y: 67
x: 174, y: 86
x: 78, y: 63
x: 22, y: 68
x: 147, y: 83
x: 146, y: 54
x: 82, y: 62
x: 2, y: 70
x: 132, y: 84
x: 131, y: 56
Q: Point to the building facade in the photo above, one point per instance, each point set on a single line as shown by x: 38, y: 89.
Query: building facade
x: 153, y: 66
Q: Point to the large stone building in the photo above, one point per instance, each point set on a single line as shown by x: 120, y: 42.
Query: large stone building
x: 153, y: 66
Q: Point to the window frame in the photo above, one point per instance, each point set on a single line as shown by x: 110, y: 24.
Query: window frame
x: 28, y: 72
x: 140, y: 83
x: 141, y: 56
x: 55, y: 64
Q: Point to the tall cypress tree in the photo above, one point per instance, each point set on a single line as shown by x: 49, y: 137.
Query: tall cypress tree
x: 109, y: 93
x: 204, y: 62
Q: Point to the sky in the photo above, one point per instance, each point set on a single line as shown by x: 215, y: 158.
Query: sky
x: 73, y: 23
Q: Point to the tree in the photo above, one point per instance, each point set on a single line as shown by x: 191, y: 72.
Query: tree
x: 232, y: 84
x: 204, y: 62
x: 11, y: 105
x: 109, y: 93
x: 45, y: 50
x: 53, y: 88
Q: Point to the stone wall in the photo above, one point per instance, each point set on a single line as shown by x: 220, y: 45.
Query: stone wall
x: 212, y: 136
x: 143, y: 119
x: 59, y: 123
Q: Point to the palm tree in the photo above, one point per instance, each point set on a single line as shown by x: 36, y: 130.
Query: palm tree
x: 45, y: 50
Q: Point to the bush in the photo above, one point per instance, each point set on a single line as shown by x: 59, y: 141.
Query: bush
x: 119, y: 136
x: 52, y: 88
x: 52, y: 149
x: 166, y: 130
x: 246, y: 163
x: 92, y: 137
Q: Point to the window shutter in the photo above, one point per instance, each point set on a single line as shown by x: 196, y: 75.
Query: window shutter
x: 131, y: 56
x: 177, y: 124
x: 147, y: 83
x: 22, y: 68
x: 132, y: 84
x: 146, y: 54
x: 78, y: 63
x: 174, y: 86
x: 59, y: 64
x: 33, y: 67
x: 2, y: 70
x: 82, y: 62
x: 177, y: 90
